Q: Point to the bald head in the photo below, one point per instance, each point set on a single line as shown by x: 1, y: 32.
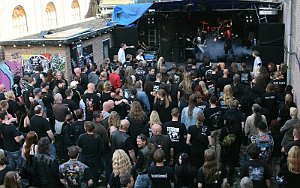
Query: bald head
x: 156, y: 129
x: 91, y: 87
x: 77, y: 71
x: 124, y: 125
x: 225, y: 72
x: 106, y: 106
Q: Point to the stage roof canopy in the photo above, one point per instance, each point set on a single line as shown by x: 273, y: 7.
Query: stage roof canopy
x: 127, y: 14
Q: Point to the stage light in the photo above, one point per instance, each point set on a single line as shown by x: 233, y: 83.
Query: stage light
x: 15, y: 46
x: 215, y: 39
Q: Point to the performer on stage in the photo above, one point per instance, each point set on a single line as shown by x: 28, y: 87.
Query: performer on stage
x: 228, y: 43
x: 200, y: 45
x: 121, y: 52
x: 257, y: 62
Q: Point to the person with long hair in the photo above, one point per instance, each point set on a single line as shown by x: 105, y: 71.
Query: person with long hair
x: 227, y: 97
x: 65, y: 132
x: 154, y: 119
x: 162, y: 105
x: 290, y: 171
x: 185, y: 85
x: 29, y: 149
x: 185, y: 173
x: 284, y: 109
x: 121, y: 104
x: 12, y: 103
x: 212, y: 173
x: 148, y: 89
x: 107, y: 93
x: 189, y: 113
x: 137, y: 119
x: 199, y: 139
x: 204, y: 91
x: 121, y: 165
x: 12, y: 179
x: 253, y: 120
x: 113, y: 122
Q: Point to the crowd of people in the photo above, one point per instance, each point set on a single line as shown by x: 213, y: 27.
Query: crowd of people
x: 125, y: 124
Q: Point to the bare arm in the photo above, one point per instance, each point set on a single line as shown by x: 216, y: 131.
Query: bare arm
x: 188, y: 139
x: 210, y: 140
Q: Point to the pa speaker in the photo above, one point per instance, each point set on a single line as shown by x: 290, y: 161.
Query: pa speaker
x: 119, y: 35
x: 271, y: 34
x: 271, y: 54
x: 131, y: 36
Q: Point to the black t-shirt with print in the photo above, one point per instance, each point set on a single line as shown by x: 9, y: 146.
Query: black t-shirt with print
x: 258, y: 171
x: 176, y: 131
x: 161, y: 176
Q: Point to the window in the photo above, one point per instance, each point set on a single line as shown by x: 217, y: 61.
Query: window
x: 106, y: 46
x: 51, y: 19
x: 75, y: 10
x: 19, y: 20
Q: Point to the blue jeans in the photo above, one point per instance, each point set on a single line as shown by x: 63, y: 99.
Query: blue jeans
x: 15, y: 159
x: 52, y: 151
x: 142, y: 181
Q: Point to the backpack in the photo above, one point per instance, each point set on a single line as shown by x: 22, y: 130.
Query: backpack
x: 265, y: 144
x: 229, y: 139
x: 216, y: 120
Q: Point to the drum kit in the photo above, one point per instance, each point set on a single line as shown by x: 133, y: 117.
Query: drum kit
x: 216, y: 31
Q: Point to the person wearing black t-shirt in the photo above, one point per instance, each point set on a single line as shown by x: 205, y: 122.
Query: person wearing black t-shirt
x: 92, y: 147
x: 223, y: 81
x: 257, y: 170
x: 91, y: 101
x: 77, y: 127
x: 296, y: 142
x: 41, y: 125
x: 160, y: 175
x: 11, y: 141
x: 177, y: 133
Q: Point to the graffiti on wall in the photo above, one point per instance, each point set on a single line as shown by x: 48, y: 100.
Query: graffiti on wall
x: 56, y: 62
x: 7, y: 71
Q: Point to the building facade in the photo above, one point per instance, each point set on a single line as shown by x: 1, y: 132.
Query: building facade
x: 26, y: 17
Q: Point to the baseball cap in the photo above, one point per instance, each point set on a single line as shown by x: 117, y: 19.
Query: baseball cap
x: 73, y: 84
x: 37, y: 91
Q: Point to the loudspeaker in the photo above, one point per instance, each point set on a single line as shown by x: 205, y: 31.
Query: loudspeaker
x: 127, y: 35
x: 271, y: 34
x: 177, y: 55
x: 271, y: 54
x: 119, y: 35
x: 131, y: 36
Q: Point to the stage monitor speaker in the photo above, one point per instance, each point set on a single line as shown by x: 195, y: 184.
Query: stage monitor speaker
x: 271, y: 54
x: 271, y: 34
x: 128, y: 35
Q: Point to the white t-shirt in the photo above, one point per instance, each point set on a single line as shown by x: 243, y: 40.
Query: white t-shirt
x: 121, y: 55
x: 256, y: 65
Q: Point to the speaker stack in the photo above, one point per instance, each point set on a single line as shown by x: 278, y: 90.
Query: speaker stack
x: 271, y: 42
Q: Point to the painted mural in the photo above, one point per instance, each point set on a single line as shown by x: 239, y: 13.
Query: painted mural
x: 56, y: 62
x: 7, y: 71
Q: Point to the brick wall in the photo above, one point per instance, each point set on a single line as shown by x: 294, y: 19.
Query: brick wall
x: 97, y: 46
x: 295, y: 66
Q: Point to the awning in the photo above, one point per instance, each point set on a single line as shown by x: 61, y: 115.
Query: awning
x: 127, y: 14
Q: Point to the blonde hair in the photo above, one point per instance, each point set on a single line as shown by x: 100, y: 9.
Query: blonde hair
x: 10, y: 95
x: 203, y: 87
x: 228, y: 95
x: 120, y: 163
x: 293, y: 112
x: 107, y: 86
x: 114, y: 119
x: 159, y: 63
x: 186, y: 82
x: 293, y: 160
x: 154, y: 118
